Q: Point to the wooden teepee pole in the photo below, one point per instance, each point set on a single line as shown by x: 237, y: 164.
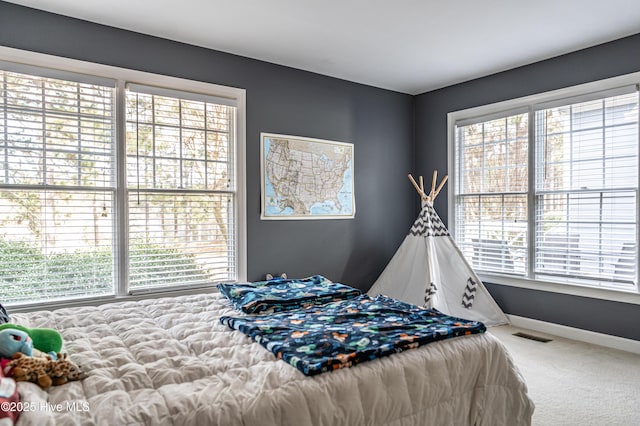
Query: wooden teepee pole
x: 434, y: 191
x: 444, y: 180
x: 423, y: 196
x: 434, y: 179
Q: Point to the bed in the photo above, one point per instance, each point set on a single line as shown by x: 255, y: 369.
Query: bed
x: 170, y: 361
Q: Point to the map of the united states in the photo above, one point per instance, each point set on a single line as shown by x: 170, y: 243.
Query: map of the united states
x: 308, y: 178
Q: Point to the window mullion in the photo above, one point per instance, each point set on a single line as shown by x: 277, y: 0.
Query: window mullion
x: 121, y: 219
x: 44, y: 134
x: 206, y: 147
x: 532, y: 207
x: 506, y: 150
x: 6, y: 128
x: 44, y: 238
x: 137, y: 149
x: 181, y: 183
x: 600, y: 251
x: 484, y: 165
x: 153, y: 142
x: 637, y: 262
x: 503, y: 261
x: 603, y: 184
x: 79, y: 134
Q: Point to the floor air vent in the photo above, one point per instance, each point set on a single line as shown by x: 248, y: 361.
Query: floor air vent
x: 532, y: 337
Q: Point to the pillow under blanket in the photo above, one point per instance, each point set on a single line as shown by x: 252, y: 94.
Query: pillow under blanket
x: 280, y: 294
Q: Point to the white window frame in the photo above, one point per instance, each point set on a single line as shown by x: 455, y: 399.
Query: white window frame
x: 527, y: 102
x: 123, y: 76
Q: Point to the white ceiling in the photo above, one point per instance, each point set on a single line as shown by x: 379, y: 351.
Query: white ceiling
x: 410, y: 46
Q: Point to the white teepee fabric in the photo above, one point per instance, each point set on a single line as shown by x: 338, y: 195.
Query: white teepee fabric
x: 429, y: 270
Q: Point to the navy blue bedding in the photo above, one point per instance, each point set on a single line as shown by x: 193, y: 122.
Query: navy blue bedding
x: 344, y: 333
x: 281, y: 294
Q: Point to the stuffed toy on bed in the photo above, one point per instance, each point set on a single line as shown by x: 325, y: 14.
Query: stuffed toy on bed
x: 24, y: 368
x: 21, y: 361
x: 46, y: 340
x: 43, y: 371
x: 13, y: 341
x: 65, y: 370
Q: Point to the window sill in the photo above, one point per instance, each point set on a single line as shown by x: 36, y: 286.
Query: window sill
x: 96, y: 301
x: 571, y: 289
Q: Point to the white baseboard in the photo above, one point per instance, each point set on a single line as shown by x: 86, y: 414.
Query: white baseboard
x: 581, y: 335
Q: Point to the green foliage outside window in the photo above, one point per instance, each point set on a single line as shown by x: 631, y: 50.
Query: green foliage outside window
x: 27, y: 274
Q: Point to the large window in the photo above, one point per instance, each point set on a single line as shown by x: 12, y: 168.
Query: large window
x: 96, y: 203
x: 57, y: 163
x: 180, y: 188
x: 548, y: 191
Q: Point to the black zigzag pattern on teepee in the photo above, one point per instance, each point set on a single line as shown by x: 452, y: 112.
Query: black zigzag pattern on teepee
x: 428, y: 292
x: 428, y: 224
x: 469, y: 293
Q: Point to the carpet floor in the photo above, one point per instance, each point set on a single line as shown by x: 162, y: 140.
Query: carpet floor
x: 576, y: 383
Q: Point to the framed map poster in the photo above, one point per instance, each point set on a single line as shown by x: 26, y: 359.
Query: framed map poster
x: 304, y: 178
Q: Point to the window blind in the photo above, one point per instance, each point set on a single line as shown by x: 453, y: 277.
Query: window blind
x: 586, y: 190
x: 181, y: 189
x: 551, y: 193
x: 56, y: 187
x: 491, y: 193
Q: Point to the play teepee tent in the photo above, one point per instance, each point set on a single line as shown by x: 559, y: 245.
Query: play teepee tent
x: 430, y: 270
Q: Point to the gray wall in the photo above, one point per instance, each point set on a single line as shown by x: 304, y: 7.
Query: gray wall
x: 280, y: 100
x: 603, y: 61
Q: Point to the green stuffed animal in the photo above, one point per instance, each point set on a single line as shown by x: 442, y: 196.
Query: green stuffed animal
x: 44, y: 339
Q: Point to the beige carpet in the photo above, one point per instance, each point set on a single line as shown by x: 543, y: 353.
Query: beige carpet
x: 575, y: 383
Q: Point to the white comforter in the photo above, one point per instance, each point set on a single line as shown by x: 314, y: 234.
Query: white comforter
x: 170, y: 362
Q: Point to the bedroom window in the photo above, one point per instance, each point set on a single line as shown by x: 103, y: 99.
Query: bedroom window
x: 491, y: 204
x: 547, y: 190
x: 56, y: 169
x: 180, y: 188
x: 111, y: 188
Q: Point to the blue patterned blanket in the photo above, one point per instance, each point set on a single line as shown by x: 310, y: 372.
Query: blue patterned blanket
x: 344, y: 333
x: 280, y: 294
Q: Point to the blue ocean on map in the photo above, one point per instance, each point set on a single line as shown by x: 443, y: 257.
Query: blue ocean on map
x: 344, y: 195
x: 271, y: 202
